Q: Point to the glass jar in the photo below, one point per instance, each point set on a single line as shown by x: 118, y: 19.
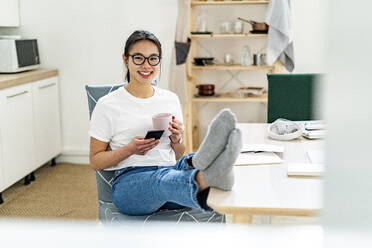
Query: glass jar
x: 238, y: 27
x: 246, y: 58
x: 228, y: 59
x: 201, y: 22
x: 225, y: 27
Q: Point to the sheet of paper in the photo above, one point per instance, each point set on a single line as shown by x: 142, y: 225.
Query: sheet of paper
x: 262, y: 148
x: 252, y: 158
x: 303, y: 169
x: 316, y: 156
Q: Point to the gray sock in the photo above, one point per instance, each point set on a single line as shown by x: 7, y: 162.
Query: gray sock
x: 220, y: 173
x: 215, y: 140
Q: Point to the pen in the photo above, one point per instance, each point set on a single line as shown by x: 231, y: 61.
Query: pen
x: 251, y: 151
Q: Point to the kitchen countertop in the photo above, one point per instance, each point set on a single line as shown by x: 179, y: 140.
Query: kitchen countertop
x: 8, y: 80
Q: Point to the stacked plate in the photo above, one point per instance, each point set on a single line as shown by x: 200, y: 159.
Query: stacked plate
x: 251, y: 91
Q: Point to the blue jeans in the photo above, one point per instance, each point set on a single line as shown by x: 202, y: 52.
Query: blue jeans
x: 144, y: 190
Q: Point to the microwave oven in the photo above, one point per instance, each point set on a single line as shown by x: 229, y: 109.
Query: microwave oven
x: 18, y: 55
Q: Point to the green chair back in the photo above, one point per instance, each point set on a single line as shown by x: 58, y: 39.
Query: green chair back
x: 293, y: 96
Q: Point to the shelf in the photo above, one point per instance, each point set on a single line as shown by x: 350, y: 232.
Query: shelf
x: 233, y: 67
x: 227, y: 35
x: 196, y: 3
x: 228, y: 97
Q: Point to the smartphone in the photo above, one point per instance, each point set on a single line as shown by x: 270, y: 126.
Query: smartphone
x: 156, y: 134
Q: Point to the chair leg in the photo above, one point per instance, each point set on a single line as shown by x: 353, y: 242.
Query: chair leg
x: 32, y: 177
x: 27, y: 180
x: 1, y: 198
x: 53, y: 162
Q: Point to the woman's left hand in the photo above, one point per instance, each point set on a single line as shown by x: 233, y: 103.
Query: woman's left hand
x: 176, y: 130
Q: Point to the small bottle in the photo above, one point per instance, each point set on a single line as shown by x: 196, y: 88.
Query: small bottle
x: 246, y: 58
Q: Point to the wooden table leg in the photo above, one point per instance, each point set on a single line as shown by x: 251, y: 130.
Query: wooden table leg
x: 242, y: 219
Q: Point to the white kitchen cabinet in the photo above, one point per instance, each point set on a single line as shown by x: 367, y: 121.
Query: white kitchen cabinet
x: 9, y: 13
x: 47, y: 123
x: 17, y: 133
x: 2, y: 187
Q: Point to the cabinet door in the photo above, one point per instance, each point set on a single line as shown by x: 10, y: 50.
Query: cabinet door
x: 9, y: 13
x: 17, y: 133
x: 2, y: 187
x: 47, y: 124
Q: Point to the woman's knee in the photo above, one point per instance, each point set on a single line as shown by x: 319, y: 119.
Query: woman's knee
x: 130, y: 202
x: 133, y: 207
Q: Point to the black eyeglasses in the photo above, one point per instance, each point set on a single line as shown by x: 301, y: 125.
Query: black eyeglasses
x: 139, y: 59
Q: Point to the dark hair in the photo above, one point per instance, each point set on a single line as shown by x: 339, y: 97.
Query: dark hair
x: 139, y: 35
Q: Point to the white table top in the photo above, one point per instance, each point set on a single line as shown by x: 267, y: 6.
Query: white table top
x: 266, y: 189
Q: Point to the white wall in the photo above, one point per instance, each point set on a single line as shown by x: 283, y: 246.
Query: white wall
x: 84, y: 39
x: 310, y: 25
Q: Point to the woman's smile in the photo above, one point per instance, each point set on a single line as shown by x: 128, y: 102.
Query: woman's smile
x: 145, y: 74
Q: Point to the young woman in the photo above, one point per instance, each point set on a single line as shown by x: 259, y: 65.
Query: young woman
x: 153, y: 174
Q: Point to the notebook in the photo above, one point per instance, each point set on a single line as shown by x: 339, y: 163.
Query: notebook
x: 315, y: 129
x: 262, y: 148
x: 303, y: 169
x: 255, y: 158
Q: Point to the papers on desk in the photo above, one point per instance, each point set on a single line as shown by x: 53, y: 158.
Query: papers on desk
x: 303, y: 169
x: 258, y: 158
x: 314, y: 169
x: 316, y: 156
x: 315, y: 129
x: 254, y: 154
x: 262, y: 148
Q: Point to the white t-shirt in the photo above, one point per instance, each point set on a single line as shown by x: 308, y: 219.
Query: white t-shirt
x: 119, y: 116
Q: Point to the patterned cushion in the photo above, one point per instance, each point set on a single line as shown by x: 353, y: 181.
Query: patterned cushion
x: 107, y: 211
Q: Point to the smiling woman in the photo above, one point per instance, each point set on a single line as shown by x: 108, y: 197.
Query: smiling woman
x: 153, y: 174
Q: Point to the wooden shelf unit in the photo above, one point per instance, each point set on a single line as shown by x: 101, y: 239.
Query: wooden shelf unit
x: 235, y: 67
x: 228, y: 97
x: 246, y: 35
x: 191, y: 106
x: 243, y: 2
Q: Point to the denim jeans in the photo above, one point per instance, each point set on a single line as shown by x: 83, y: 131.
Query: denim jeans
x: 144, y: 190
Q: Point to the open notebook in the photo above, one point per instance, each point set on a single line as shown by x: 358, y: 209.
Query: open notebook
x: 258, y: 158
x: 254, y: 154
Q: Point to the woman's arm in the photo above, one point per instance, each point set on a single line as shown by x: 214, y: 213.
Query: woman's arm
x: 176, y: 138
x: 179, y: 149
x: 101, y: 159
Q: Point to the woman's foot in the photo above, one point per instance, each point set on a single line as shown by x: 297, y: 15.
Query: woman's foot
x: 220, y: 173
x: 216, y: 139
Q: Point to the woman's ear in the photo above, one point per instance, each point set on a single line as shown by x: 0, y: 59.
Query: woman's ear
x: 125, y: 60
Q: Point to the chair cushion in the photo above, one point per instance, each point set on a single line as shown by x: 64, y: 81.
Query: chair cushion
x: 109, y: 214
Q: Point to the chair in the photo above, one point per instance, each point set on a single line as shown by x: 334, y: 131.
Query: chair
x: 107, y: 211
x: 293, y: 97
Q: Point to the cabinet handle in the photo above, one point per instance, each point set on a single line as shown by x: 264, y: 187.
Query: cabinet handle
x: 18, y: 94
x: 46, y: 86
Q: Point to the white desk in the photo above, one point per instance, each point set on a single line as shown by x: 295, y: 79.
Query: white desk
x: 266, y: 189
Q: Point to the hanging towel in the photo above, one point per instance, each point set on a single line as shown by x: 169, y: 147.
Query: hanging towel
x: 280, y: 37
x: 182, y: 50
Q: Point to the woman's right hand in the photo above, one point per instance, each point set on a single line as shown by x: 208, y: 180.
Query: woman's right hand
x: 140, y: 146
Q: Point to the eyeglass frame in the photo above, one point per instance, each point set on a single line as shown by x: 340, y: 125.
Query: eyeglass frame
x: 145, y: 58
